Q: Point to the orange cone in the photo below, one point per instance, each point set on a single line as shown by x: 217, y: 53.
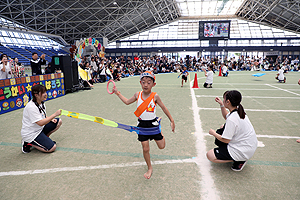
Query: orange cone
x: 195, y: 82
x: 220, y: 73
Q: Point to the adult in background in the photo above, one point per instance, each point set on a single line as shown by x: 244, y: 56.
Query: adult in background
x: 36, y: 126
x: 5, y: 67
x: 102, y: 71
x: 36, y: 63
x: 18, y: 68
x: 237, y: 140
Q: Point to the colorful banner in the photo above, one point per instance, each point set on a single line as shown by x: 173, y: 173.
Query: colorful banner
x: 15, y: 93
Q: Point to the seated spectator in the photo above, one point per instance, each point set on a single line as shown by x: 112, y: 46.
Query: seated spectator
x: 48, y: 69
x: 116, y: 74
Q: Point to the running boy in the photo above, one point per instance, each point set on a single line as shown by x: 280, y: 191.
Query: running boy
x: 185, y: 74
x: 146, y: 107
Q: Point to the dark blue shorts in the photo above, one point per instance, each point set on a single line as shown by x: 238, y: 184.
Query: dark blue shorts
x: 148, y: 124
x: 42, y: 140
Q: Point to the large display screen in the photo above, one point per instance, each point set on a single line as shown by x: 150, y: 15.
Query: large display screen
x: 214, y: 30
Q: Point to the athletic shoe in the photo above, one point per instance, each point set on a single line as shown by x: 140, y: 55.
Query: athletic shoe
x: 26, y: 147
x: 238, y: 165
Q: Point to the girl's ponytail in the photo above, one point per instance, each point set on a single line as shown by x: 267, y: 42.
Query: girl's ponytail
x: 241, y: 111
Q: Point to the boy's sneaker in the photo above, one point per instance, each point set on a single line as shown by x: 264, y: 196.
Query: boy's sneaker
x: 238, y: 165
x: 26, y: 147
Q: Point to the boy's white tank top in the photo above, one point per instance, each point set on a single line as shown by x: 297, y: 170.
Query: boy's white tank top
x: 150, y: 112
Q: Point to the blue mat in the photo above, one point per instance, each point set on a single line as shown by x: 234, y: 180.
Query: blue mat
x: 258, y: 74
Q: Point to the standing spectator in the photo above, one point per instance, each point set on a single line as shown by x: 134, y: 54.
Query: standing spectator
x: 18, y: 68
x: 102, y: 71
x: 36, y: 63
x: 94, y: 68
x: 5, y: 68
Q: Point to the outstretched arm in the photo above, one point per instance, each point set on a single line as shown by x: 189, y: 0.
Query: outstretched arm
x: 166, y: 111
x: 124, y: 99
x: 223, y: 109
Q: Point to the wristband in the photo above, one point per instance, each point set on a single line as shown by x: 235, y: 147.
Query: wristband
x: 222, y: 106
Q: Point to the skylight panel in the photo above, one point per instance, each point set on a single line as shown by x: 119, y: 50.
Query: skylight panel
x: 208, y: 7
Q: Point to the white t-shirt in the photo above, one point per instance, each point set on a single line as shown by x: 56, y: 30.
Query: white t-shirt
x: 102, y: 69
x: 242, y: 136
x: 281, y: 75
x: 94, y: 66
x: 5, y: 75
x: 30, y: 129
x: 209, y: 78
x: 224, y: 69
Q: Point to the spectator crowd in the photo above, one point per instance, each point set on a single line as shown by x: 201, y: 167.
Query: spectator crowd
x: 121, y: 67
x: 100, y: 69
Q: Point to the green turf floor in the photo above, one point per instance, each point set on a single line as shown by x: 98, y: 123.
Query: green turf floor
x: 93, y: 161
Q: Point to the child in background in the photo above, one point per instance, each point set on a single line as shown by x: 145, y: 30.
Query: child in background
x: 209, y: 80
x: 224, y: 70
x: 146, y: 108
x: 280, y: 76
x: 185, y: 74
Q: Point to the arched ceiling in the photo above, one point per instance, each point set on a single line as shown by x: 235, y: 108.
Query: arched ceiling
x: 75, y: 19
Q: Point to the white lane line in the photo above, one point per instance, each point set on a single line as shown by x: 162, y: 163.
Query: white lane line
x: 269, y: 136
x: 283, y: 89
x: 80, y: 168
x: 224, y: 89
x: 208, y: 189
x: 257, y: 110
x: 252, y: 97
x: 278, y: 136
x: 256, y: 84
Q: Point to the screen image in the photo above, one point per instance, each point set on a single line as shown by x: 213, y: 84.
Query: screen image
x: 214, y: 29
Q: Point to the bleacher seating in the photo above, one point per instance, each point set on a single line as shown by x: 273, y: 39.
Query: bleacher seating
x: 12, y: 54
x: 24, y: 54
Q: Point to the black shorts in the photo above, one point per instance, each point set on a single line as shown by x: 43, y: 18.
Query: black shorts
x: 148, y: 124
x: 222, y: 153
x: 207, y: 84
x: 184, y: 77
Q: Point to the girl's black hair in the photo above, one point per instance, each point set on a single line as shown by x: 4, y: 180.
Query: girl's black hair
x: 235, y: 99
x: 36, y: 89
x: 211, y: 66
